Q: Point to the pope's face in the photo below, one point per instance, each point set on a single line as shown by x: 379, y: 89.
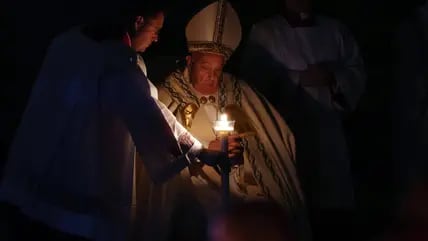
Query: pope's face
x: 205, y: 71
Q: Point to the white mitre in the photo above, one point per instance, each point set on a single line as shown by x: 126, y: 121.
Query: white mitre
x: 215, y: 29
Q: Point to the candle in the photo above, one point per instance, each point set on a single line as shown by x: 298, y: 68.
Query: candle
x: 223, y: 127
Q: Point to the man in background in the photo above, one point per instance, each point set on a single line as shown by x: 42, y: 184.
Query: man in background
x: 310, y: 67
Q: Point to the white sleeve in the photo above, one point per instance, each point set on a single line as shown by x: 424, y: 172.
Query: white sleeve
x: 125, y: 93
x: 349, y: 73
x: 187, y: 141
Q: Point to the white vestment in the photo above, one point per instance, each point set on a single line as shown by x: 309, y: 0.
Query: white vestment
x: 71, y: 163
x: 268, y: 170
x: 151, y: 207
x: 273, y: 60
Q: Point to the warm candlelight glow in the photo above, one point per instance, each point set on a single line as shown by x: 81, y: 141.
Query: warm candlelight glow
x: 223, y: 124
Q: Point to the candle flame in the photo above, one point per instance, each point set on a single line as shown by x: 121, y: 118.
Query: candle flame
x: 223, y: 124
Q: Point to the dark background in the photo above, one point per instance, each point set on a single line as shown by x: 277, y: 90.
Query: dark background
x: 27, y: 27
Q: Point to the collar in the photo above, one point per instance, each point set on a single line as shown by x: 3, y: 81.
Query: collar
x: 206, y: 99
x: 142, y: 64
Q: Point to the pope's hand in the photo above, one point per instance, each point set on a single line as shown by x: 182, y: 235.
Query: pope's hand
x: 234, y: 149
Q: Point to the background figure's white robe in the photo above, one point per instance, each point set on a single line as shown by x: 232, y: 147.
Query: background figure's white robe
x: 268, y: 148
x: 410, y: 107
x: 275, y: 55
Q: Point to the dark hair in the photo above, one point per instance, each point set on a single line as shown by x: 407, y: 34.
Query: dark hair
x: 147, y: 11
x: 115, y: 24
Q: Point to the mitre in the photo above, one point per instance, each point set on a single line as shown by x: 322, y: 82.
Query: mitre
x: 215, y: 29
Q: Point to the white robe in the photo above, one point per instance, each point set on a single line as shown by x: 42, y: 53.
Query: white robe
x: 268, y: 170
x: 277, y: 53
x: 152, y: 207
x: 71, y: 162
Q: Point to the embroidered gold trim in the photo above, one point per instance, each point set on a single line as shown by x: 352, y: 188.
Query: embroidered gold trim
x: 210, y: 47
x: 219, y: 23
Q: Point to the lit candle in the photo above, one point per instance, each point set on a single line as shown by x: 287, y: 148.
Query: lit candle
x: 223, y: 127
